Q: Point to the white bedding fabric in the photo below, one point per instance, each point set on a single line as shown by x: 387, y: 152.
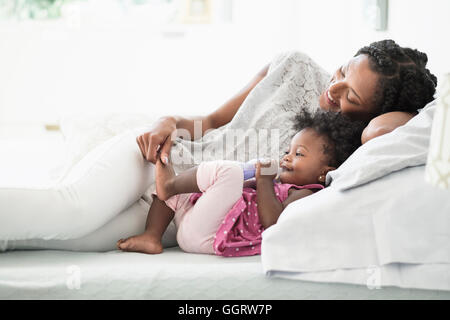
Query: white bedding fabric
x: 397, y: 219
x: 405, y: 146
x: 174, y: 274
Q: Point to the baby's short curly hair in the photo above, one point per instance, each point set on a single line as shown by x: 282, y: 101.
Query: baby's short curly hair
x: 343, y: 134
x: 405, y: 83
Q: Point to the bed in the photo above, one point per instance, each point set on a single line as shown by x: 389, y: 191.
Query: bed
x: 52, y: 274
x: 345, y: 264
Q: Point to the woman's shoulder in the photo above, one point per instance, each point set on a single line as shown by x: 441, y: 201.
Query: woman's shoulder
x: 292, y: 58
x: 284, y: 56
x: 291, y: 54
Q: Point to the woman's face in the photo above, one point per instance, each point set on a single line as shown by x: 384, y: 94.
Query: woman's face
x: 352, y: 90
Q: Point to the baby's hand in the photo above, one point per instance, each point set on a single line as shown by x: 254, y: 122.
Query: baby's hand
x: 266, y: 169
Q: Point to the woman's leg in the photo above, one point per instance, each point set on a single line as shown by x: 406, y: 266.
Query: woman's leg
x: 129, y: 222
x: 158, y: 219
x: 168, y: 185
x: 106, y: 181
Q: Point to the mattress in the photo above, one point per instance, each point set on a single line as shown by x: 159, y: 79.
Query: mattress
x: 52, y: 274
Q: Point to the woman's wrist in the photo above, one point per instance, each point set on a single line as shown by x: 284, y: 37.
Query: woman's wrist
x: 194, y: 126
x: 172, y: 119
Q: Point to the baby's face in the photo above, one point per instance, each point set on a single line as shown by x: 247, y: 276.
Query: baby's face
x: 304, y: 162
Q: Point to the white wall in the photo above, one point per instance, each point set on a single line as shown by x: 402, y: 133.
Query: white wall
x: 124, y: 61
x: 332, y: 31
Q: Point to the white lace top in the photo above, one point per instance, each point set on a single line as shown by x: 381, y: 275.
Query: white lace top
x: 293, y: 81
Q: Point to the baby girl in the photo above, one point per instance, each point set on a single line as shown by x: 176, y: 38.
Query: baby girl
x: 216, y: 212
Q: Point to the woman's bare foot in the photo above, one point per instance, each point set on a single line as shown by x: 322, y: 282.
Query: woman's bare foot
x: 164, y: 180
x: 145, y: 243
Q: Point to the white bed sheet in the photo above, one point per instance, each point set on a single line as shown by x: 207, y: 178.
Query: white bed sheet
x: 51, y: 274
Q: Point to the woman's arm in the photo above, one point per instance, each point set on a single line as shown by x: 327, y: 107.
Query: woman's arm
x: 385, y: 123
x: 223, y: 114
x: 159, y: 136
x: 226, y: 112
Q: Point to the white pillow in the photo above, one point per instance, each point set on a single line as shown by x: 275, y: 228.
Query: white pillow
x: 405, y: 146
x: 398, y: 218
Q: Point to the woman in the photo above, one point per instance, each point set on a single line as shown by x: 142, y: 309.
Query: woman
x: 381, y: 79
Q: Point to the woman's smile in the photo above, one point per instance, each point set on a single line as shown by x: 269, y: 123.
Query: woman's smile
x: 330, y: 100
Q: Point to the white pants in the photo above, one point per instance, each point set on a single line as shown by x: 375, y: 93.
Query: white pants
x: 106, y: 182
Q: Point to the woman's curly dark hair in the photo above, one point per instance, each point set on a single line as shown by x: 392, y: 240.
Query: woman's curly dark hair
x: 343, y: 134
x: 405, y: 84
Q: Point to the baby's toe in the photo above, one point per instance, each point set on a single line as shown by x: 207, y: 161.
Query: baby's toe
x: 123, y: 244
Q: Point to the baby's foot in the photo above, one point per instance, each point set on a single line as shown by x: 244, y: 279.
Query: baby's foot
x: 164, y: 180
x: 144, y: 243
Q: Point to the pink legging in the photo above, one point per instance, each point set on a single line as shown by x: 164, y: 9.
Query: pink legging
x: 221, y: 183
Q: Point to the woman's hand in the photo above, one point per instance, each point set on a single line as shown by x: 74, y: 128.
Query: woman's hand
x: 157, y: 139
x: 266, y: 169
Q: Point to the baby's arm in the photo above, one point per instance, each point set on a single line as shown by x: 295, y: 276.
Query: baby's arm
x: 295, y: 194
x: 250, y: 183
x: 269, y: 207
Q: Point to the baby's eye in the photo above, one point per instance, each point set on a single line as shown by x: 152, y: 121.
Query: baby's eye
x: 286, y: 152
x: 299, y: 154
